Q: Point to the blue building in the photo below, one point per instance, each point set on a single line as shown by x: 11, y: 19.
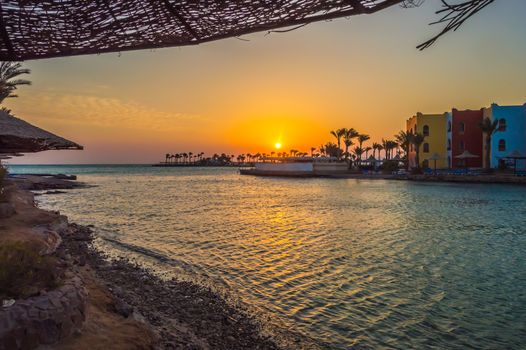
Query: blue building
x: 511, y: 134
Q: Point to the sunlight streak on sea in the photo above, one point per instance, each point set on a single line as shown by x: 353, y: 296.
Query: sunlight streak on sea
x: 349, y: 263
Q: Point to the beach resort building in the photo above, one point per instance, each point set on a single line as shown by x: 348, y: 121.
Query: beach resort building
x: 510, y: 138
x: 433, y: 127
x: 464, y: 134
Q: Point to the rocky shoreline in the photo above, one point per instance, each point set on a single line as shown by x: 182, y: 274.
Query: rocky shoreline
x: 182, y: 315
x: 127, y: 306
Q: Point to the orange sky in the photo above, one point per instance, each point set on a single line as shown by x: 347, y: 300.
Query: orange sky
x: 242, y: 96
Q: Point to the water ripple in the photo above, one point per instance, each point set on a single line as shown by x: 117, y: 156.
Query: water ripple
x: 352, y: 264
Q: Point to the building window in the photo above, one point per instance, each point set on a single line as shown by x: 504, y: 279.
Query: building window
x: 502, y: 124
x: 426, y: 147
x: 502, y: 145
x: 426, y: 130
x: 461, y: 127
x: 449, y: 144
x: 449, y: 126
x: 461, y: 146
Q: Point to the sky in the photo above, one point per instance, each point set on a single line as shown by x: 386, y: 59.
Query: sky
x: 239, y: 96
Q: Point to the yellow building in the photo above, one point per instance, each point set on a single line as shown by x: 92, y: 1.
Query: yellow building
x: 433, y: 127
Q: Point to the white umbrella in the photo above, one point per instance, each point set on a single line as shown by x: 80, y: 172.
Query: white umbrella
x: 434, y: 157
x: 466, y: 155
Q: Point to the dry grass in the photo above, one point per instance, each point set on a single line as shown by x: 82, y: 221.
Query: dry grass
x: 24, y: 272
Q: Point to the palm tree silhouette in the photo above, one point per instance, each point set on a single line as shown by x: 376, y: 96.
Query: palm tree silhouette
x: 361, y: 139
x: 488, y: 129
x: 367, y: 150
x: 358, y: 151
x: 417, y: 140
x: 8, y: 84
x: 376, y: 147
x: 338, y: 134
x: 404, y: 140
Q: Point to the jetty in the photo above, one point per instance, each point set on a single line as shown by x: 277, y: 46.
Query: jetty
x: 296, y: 167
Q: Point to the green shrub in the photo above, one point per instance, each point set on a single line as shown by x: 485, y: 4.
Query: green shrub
x: 24, y: 272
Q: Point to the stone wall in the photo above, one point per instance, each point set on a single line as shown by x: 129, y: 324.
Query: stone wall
x: 44, y: 319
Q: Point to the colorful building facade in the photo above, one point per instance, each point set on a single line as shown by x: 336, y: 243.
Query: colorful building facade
x: 433, y: 127
x: 510, y: 136
x: 464, y: 134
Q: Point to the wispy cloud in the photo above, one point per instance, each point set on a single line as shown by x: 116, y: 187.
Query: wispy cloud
x: 83, y: 109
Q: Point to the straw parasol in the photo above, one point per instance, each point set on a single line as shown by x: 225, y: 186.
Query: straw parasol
x: 57, y: 28
x: 18, y: 136
x: 466, y: 155
x: 434, y: 157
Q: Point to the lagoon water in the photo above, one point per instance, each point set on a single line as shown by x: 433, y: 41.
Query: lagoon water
x: 346, y: 263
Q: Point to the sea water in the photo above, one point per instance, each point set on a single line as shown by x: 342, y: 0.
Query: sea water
x: 366, y: 264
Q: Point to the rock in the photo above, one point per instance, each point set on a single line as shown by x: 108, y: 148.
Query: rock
x: 122, y: 308
x: 82, y: 260
x: 6, y: 210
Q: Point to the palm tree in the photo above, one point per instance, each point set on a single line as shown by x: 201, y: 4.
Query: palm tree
x: 358, y: 151
x: 166, y: 158
x: 312, y: 149
x: 338, y: 134
x: 404, y: 140
x: 331, y: 150
x: 362, y: 138
x: 392, y: 146
x: 367, y: 150
x: 348, y: 136
x: 8, y: 84
x: 385, y: 146
x: 417, y: 140
x: 376, y: 147
x: 488, y: 128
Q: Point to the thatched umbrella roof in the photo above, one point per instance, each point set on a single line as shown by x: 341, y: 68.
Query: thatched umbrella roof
x: 17, y: 136
x: 55, y: 28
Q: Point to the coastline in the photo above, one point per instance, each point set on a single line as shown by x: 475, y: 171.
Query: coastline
x: 467, y: 179
x: 125, y: 306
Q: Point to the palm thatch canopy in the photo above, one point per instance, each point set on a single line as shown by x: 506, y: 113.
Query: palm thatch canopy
x: 17, y: 136
x: 31, y: 29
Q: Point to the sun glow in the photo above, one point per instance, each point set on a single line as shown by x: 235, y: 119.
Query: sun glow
x: 277, y: 145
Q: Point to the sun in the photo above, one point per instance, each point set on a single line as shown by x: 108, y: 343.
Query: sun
x: 277, y: 145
